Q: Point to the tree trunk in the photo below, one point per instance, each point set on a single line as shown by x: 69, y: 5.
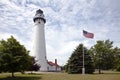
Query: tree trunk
x: 13, y: 74
x: 23, y: 72
x: 99, y: 71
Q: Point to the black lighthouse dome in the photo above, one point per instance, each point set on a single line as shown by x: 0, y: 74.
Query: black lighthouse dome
x: 39, y: 15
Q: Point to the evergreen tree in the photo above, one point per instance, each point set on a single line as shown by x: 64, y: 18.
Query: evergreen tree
x: 34, y: 66
x: 75, y: 62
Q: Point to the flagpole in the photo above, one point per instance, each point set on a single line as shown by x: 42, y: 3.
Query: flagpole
x: 83, y: 68
x: 87, y: 35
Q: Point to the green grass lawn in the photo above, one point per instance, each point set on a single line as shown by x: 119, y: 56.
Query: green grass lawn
x: 108, y: 75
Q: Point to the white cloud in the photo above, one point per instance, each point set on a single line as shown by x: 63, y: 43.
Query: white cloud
x: 65, y: 21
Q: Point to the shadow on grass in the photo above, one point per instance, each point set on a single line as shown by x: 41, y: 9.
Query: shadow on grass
x: 35, y: 74
x: 21, y: 78
x: 107, y: 73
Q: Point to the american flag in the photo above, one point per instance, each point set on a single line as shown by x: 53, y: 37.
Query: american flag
x: 88, y: 34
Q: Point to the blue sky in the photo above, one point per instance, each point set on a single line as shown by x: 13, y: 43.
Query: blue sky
x: 65, y: 21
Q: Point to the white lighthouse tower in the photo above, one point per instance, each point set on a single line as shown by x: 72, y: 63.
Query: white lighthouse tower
x: 39, y: 48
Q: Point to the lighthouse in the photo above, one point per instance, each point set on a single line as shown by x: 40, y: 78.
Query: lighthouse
x: 39, y: 48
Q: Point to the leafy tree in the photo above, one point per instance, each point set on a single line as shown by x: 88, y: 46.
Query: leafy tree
x: 13, y: 56
x: 116, y: 52
x: 75, y: 62
x: 102, y: 54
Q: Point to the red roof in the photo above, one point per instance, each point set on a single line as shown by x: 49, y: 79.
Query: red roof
x: 53, y: 64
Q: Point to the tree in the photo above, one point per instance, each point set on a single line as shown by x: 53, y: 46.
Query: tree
x: 116, y: 52
x: 102, y: 54
x: 75, y: 62
x: 34, y: 66
x: 13, y: 56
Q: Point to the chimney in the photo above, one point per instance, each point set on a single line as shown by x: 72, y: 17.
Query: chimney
x: 56, y: 65
x: 56, y: 61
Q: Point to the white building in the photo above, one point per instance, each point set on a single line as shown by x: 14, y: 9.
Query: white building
x: 54, y: 67
x: 39, y: 47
